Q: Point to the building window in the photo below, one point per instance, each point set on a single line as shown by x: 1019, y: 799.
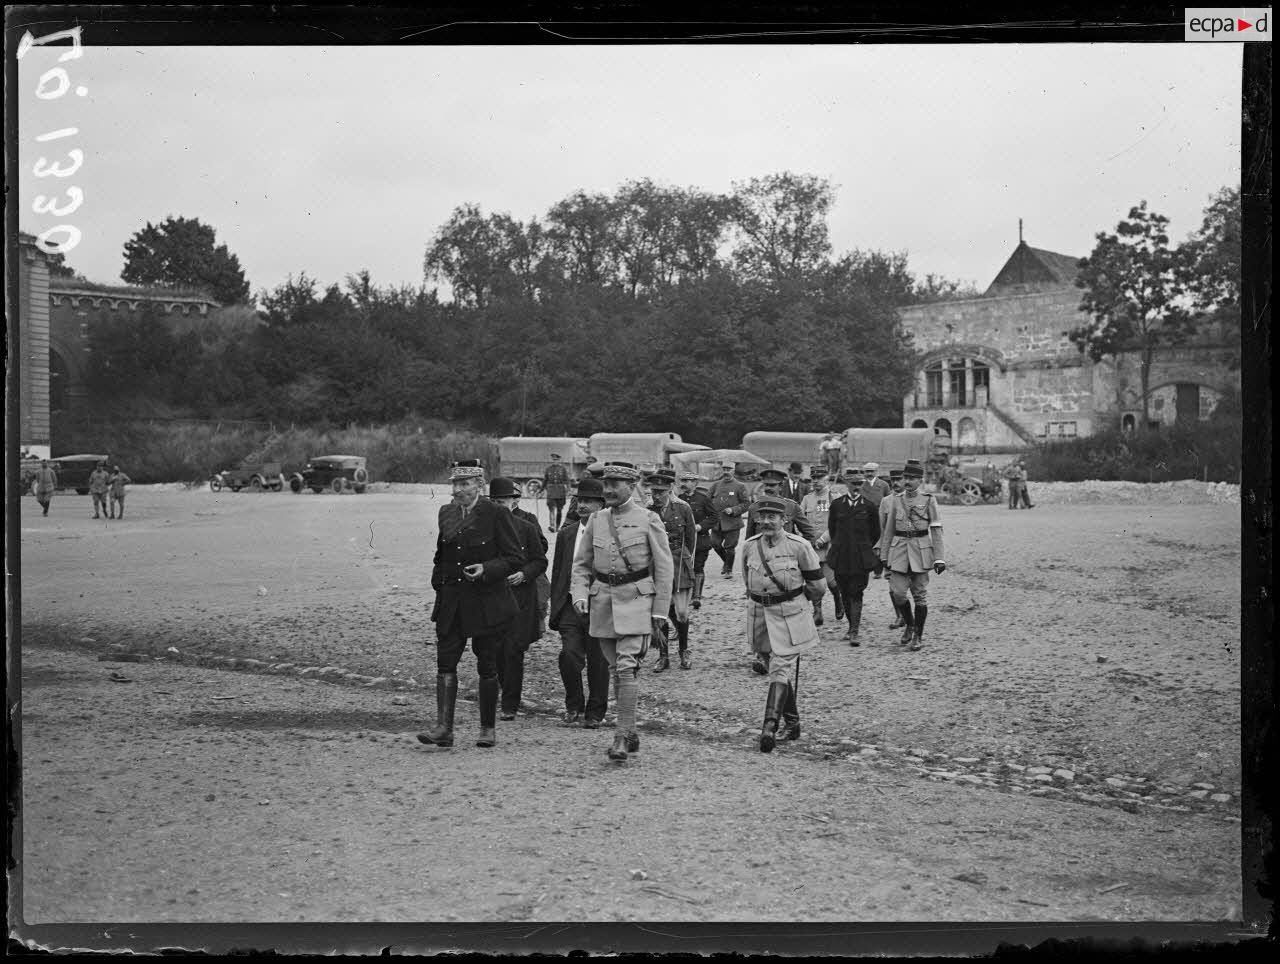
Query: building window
x: 933, y: 385
x: 955, y: 377
x: 1128, y: 424
x: 919, y: 423
x: 1059, y: 430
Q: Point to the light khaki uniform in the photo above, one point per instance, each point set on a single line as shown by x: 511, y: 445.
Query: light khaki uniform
x: 786, y: 628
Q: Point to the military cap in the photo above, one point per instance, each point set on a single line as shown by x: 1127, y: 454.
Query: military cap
x: 503, y: 488
x: 661, y: 480
x: 466, y: 469
x: 853, y: 470
x: 590, y: 488
x: 621, y: 471
x: 690, y: 477
x: 913, y: 469
x: 871, y: 467
x: 895, y: 473
x: 773, y: 475
x: 818, y: 472
x: 596, y: 470
x: 728, y: 464
x: 769, y: 503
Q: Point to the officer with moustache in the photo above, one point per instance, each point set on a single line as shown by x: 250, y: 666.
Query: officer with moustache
x: 682, y: 538
x: 477, y: 549
x: 911, y: 546
x: 730, y: 500
x: 622, y: 578
x: 695, y: 492
x: 771, y: 482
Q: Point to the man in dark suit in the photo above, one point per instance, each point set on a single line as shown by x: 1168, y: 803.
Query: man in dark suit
x: 524, y: 629
x: 794, y: 487
x: 694, y: 491
x: 853, y: 522
x: 578, y: 648
x: 478, y: 547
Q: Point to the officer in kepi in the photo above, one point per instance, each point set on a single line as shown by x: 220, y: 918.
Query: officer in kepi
x: 682, y: 538
x: 477, y: 549
x: 911, y: 546
x: 622, y: 578
x: 783, y: 576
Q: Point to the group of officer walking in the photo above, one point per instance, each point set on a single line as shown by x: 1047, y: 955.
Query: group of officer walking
x: 106, y: 488
x: 625, y: 576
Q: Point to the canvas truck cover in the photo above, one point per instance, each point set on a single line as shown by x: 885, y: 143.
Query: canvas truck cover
x: 529, y: 456
x: 891, y: 447
x: 783, y: 448
x: 645, y: 450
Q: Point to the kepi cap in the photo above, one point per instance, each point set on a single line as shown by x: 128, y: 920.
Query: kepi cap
x: 913, y: 469
x: 773, y: 475
x: 621, y: 471
x: 466, y: 469
x: 769, y: 503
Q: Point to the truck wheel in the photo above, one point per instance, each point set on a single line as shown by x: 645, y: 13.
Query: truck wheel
x: 970, y: 492
x: 361, y: 476
x: 359, y: 490
x: 215, y: 484
x: 255, y: 484
x: 295, y: 484
x: 317, y: 489
x: 82, y: 491
x: 532, y: 488
x: 338, y: 485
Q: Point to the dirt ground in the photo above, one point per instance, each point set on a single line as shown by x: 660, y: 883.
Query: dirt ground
x: 1066, y: 746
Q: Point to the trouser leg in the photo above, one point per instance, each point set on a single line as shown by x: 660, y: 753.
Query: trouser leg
x: 572, y: 660
x: 597, y: 681
x: 920, y: 593
x: 512, y: 681
x: 899, y: 584
x: 486, y: 650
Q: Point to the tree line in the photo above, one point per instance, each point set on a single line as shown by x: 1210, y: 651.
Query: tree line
x: 649, y: 309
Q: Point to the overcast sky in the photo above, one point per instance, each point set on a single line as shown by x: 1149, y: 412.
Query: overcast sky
x: 330, y: 160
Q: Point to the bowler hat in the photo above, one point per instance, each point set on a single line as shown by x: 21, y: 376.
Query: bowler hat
x: 769, y: 503
x: 466, y: 469
x: 503, y: 488
x: 590, y: 488
x: 795, y: 467
x: 913, y: 469
x: 773, y: 475
x: 621, y: 471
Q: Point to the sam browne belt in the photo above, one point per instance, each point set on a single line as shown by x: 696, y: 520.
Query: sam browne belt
x: 767, y: 600
x: 621, y: 579
x: 910, y: 535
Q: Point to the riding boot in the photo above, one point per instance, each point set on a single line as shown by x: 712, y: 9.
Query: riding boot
x: 761, y: 664
x: 817, y: 612
x: 855, y: 621
x: 791, y: 715
x: 728, y: 561
x: 838, y: 598
x: 664, y: 652
x: 897, y: 613
x: 626, y: 689
x: 446, y: 696
x: 922, y: 613
x: 488, y: 693
x: 682, y: 634
x: 772, y: 713
x: 908, y: 623
x: 698, y: 579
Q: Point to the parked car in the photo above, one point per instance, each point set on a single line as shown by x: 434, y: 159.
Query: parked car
x: 333, y: 472
x: 256, y: 476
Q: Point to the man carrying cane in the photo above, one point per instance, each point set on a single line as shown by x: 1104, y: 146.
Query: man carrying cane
x: 782, y: 576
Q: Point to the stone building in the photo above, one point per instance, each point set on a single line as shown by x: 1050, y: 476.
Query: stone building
x: 33, y: 347
x: 998, y: 373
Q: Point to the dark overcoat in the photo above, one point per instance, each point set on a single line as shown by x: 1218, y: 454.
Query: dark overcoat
x: 854, y: 525
x: 486, y: 536
x: 533, y: 545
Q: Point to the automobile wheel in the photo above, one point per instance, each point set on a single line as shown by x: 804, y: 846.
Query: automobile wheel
x: 295, y: 484
x: 255, y: 484
x: 235, y: 488
x: 970, y: 492
x: 532, y: 488
x: 338, y: 485
x: 359, y: 490
x: 215, y: 484
x: 361, y: 475
x: 82, y: 491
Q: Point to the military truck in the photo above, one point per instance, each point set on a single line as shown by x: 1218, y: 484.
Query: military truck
x: 892, y: 447
x: 783, y: 448
x: 525, y: 459
x: 647, y: 451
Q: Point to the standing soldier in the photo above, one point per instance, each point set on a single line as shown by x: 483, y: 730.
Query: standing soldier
x: 771, y: 481
x: 578, y: 648
x: 816, y: 506
x: 555, y: 482
x: 117, y: 482
x: 696, y: 492
x: 832, y: 449
x: 794, y: 487
x: 622, y: 576
x: 779, y: 568
x: 1023, y: 492
x: 910, y: 547
x: 478, y: 547
x: 1013, y: 475
x: 730, y: 501
x: 526, y: 627
x: 99, y: 482
x: 895, y: 485
x: 682, y: 539
x: 46, y: 485
x: 854, y: 528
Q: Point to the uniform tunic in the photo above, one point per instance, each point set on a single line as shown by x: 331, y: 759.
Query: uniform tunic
x: 918, y: 552
x: 682, y: 539
x: 486, y: 534
x: 118, y: 481
x: 784, y: 628
x: 624, y: 610
x: 46, y: 483
x: 794, y: 520
x: 555, y: 481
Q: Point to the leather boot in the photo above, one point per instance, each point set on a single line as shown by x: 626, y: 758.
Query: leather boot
x: 761, y: 665
x: 698, y: 579
x: 817, y: 612
x: 922, y: 613
x: 682, y: 634
x: 855, y: 623
x: 728, y: 563
x: 446, y: 698
x: 897, y: 611
x: 839, y: 601
x: 619, y: 749
x: 488, y: 694
x: 772, y: 712
x: 664, y: 652
x: 908, y: 623
x: 791, y: 715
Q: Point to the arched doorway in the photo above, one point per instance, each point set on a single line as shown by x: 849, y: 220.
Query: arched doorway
x: 919, y: 423
x: 1127, y: 424
x: 968, y: 433
x: 942, y: 426
x: 59, y: 383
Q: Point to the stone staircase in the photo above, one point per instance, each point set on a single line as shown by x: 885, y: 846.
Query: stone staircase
x: 1011, y: 423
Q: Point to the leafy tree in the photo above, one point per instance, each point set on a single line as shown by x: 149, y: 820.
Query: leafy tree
x: 782, y: 222
x: 1135, y: 292
x: 58, y: 267
x: 183, y: 252
x: 580, y: 229
x: 1212, y: 256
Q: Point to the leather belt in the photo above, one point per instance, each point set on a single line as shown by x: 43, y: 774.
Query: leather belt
x: 765, y: 600
x: 911, y: 535
x: 621, y: 579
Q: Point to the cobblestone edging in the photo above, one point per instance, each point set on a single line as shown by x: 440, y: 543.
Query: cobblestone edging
x: 1130, y: 793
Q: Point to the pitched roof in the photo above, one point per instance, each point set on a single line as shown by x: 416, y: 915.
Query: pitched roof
x: 1035, y: 266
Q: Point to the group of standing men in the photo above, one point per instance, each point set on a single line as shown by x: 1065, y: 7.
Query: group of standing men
x: 624, y: 575
x: 107, y: 489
